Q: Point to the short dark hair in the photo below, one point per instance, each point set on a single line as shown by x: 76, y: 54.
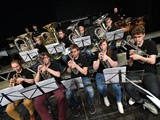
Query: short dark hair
x: 139, y: 29
x: 74, y: 46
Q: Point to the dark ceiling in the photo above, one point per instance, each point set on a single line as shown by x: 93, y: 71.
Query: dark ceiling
x: 16, y: 15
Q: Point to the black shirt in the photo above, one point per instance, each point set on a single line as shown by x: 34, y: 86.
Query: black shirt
x: 66, y: 41
x: 150, y: 48
x: 24, y: 74
x: 101, y: 66
x: 41, y: 48
x: 82, y: 62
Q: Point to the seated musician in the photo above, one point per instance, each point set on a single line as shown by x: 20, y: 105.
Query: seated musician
x: 24, y: 77
x: 49, y: 70
x: 146, y: 62
x: 85, y: 50
x: 102, y: 60
x: 78, y: 67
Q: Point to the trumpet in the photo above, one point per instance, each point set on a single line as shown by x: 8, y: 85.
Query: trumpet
x: 105, y: 63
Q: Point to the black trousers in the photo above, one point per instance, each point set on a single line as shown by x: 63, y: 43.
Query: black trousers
x: 149, y: 82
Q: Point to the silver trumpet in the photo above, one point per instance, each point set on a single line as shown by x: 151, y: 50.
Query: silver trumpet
x: 105, y: 63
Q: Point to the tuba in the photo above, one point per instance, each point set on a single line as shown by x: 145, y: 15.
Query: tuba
x: 75, y: 32
x: 101, y: 30
x: 50, y: 36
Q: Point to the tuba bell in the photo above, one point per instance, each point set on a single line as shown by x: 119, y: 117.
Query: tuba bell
x: 75, y: 32
x: 51, y: 35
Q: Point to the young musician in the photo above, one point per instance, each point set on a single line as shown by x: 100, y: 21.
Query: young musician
x: 102, y: 60
x: 49, y: 70
x: 79, y: 63
x: 24, y: 77
x: 146, y: 62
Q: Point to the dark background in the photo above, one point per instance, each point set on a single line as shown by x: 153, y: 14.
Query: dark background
x: 16, y: 15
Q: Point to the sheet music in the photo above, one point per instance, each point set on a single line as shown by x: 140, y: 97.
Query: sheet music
x: 55, y: 48
x: 28, y: 55
x: 83, y: 41
x: 12, y: 93
x: 114, y: 35
x: 73, y: 83
x: 39, y: 88
x: 112, y: 74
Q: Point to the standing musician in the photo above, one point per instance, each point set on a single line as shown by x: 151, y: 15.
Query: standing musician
x: 146, y: 62
x: 24, y: 77
x: 104, y: 59
x: 49, y: 70
x: 80, y: 64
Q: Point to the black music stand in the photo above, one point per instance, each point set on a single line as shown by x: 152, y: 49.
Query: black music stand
x: 28, y: 55
x: 83, y: 41
x: 115, y: 35
x: 55, y: 48
x: 75, y: 84
x: 10, y: 94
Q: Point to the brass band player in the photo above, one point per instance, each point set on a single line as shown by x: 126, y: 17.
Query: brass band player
x: 107, y: 57
x: 24, y: 77
x: 49, y: 69
x: 79, y: 63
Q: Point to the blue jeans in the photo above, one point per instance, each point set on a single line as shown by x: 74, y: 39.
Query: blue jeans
x: 88, y: 54
x: 71, y: 94
x: 102, y: 87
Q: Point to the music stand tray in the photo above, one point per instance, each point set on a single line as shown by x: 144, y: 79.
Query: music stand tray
x: 83, y: 41
x: 72, y: 84
x: 39, y: 88
x: 115, y: 35
x: 10, y: 94
x: 55, y: 48
x: 28, y: 55
x: 112, y: 75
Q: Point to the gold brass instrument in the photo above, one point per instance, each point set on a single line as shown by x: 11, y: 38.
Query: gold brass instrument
x: 105, y: 63
x: 75, y: 32
x: 50, y: 36
x: 100, y: 31
x: 67, y: 52
x: 15, y: 76
x: 137, y: 49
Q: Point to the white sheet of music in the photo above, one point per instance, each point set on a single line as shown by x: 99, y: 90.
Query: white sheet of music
x: 12, y: 93
x: 73, y: 83
x: 45, y: 85
x: 55, y: 48
x: 83, y: 41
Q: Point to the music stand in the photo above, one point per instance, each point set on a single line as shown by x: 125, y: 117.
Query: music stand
x: 115, y: 35
x: 83, y: 41
x: 39, y: 88
x: 74, y: 84
x: 55, y: 48
x: 28, y: 55
x: 10, y: 94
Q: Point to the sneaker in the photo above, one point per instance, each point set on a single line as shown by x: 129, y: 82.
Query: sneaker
x: 92, y: 109
x: 131, y: 101
x: 106, y: 101
x: 150, y: 107
x: 120, y: 107
x: 76, y: 112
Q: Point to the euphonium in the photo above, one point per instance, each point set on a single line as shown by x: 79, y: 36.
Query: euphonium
x: 105, y: 63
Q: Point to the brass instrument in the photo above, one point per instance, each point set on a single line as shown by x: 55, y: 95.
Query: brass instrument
x: 137, y: 49
x: 67, y: 52
x: 101, y: 30
x: 75, y: 32
x: 50, y: 36
x: 15, y: 76
x: 105, y: 63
